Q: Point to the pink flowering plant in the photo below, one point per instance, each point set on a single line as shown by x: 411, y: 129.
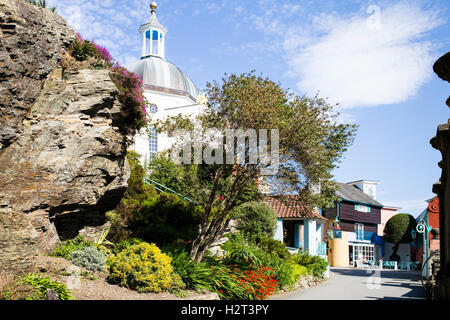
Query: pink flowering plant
x: 130, y: 85
x: 83, y: 50
x: 131, y: 95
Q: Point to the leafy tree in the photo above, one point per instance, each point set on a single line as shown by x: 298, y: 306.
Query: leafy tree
x: 311, y: 143
x: 398, y: 230
x: 166, y: 218
x: 154, y: 217
x: 255, y: 220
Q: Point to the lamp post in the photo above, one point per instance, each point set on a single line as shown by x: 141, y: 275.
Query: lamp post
x: 424, y: 228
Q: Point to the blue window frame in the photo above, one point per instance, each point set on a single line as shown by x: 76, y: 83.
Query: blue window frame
x: 359, y: 230
x: 155, y: 44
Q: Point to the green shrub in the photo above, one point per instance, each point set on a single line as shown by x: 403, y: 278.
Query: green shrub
x: 123, y: 217
x: 12, y: 288
x: 65, y: 248
x: 244, y: 254
x: 81, y: 49
x: 194, y: 275
x: 126, y: 244
x: 41, y: 284
x: 398, y: 228
x: 298, y: 271
x: 239, y: 251
x: 89, y: 258
x: 156, y: 218
x: 166, y: 218
x: 255, y: 219
x: 316, y: 265
x: 228, y: 281
x: 143, y: 267
x: 274, y: 246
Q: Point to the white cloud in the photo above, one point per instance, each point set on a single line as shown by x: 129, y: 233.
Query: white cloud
x: 364, y: 61
x: 107, y: 22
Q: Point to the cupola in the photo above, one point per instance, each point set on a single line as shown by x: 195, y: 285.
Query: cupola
x: 153, y: 35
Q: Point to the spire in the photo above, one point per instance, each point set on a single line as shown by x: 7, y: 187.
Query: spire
x: 153, y: 35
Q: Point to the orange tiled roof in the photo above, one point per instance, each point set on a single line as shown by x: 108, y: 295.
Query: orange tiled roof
x: 288, y: 206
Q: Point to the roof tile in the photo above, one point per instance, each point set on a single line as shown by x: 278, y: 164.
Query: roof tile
x: 288, y: 206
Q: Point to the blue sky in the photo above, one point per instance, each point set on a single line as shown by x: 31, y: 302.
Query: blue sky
x: 373, y: 57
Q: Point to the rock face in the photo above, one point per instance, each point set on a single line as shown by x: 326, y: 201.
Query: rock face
x: 62, y: 154
x: 32, y: 42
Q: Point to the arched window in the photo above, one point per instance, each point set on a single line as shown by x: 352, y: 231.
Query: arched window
x: 153, y: 142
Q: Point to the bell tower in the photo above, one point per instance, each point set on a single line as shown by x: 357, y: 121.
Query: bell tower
x: 153, y: 36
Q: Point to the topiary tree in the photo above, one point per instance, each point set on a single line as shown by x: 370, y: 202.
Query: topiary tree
x: 256, y: 220
x: 398, y: 230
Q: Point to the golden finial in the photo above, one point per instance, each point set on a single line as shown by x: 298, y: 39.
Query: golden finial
x: 153, y: 6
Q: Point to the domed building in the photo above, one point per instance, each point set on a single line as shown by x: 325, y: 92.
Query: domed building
x: 166, y: 87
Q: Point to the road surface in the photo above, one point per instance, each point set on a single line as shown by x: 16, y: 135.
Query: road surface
x: 362, y: 284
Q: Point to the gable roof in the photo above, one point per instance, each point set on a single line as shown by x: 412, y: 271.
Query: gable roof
x: 352, y: 193
x: 288, y: 206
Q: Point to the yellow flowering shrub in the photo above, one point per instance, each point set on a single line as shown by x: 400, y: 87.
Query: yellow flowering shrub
x: 145, y: 268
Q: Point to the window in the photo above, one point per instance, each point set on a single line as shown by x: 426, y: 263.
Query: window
x: 155, y: 43
x: 363, y: 253
x: 147, y: 42
x: 153, y: 108
x: 359, y: 230
x: 153, y: 143
x: 362, y: 208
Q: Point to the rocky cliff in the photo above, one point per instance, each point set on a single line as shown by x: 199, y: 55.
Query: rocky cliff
x: 62, y: 153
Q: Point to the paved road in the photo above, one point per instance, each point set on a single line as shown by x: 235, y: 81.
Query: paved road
x: 362, y: 284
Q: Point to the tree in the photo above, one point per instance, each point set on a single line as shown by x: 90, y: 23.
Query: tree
x: 256, y: 220
x: 154, y: 217
x: 311, y: 143
x: 398, y: 230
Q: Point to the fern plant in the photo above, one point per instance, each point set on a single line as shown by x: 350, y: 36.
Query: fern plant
x: 41, y: 284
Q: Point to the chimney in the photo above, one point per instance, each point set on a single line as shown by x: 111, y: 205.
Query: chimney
x: 369, y: 187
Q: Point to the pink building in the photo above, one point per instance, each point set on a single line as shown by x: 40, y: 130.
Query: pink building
x: 386, y: 214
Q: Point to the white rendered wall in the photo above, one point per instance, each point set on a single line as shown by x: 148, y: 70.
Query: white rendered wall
x: 168, y: 105
x: 279, y: 231
x: 404, y: 251
x: 310, y: 236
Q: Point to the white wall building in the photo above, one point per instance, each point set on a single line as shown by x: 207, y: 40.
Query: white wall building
x: 165, y: 86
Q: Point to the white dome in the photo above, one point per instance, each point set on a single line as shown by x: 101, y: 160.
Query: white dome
x: 160, y: 75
